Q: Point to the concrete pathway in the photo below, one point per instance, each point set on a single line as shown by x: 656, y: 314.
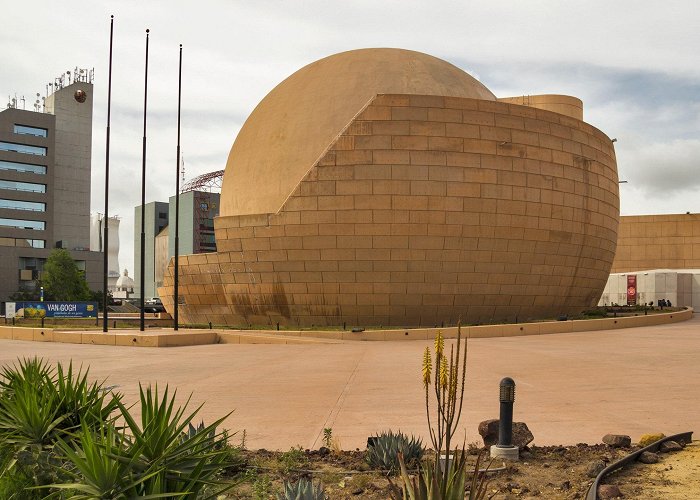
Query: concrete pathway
x: 571, y: 388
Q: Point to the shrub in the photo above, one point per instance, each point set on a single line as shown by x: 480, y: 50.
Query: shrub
x: 293, y: 459
x: 58, y: 432
x: 40, y: 405
x: 384, y: 453
x: 303, y: 489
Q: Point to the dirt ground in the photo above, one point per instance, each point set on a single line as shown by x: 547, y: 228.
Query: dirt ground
x: 675, y: 477
x: 552, y: 473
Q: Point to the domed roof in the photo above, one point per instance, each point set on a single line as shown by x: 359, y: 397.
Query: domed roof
x: 124, y: 281
x: 294, y: 124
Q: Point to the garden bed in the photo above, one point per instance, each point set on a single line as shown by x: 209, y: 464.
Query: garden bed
x: 551, y: 472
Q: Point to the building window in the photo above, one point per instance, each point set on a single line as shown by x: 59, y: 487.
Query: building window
x: 30, y: 268
x: 23, y: 186
x: 27, y: 130
x: 22, y: 167
x: 21, y: 242
x: 22, y: 148
x: 34, y: 206
x: 162, y: 215
x: 32, y: 263
x: 36, y: 225
x: 31, y: 243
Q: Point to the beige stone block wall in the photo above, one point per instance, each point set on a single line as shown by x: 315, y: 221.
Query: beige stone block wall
x: 424, y: 210
x: 43, y: 335
x: 23, y: 333
x: 5, y: 333
x: 564, y: 104
x: 658, y: 242
x: 68, y: 337
x: 98, y: 338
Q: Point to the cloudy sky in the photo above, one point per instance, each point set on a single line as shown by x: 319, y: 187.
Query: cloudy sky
x: 634, y: 63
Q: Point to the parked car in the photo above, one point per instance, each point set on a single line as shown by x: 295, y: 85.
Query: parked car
x: 153, y: 305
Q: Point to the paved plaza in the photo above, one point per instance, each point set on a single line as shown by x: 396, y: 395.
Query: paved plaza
x: 571, y: 388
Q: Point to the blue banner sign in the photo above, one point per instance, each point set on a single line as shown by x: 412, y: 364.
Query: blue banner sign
x: 40, y: 310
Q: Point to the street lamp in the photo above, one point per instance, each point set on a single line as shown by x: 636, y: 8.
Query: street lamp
x: 505, y: 449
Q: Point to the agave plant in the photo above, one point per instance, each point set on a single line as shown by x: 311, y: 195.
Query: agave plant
x: 40, y: 405
x: 83, y: 402
x: 99, y: 467
x: 427, y: 486
x: 303, y: 489
x: 162, y: 456
x: 58, y: 431
x: 384, y: 453
x: 193, y: 431
x: 188, y: 465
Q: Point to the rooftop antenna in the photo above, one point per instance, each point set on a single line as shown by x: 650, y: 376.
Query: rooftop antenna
x: 68, y: 75
x: 23, y: 102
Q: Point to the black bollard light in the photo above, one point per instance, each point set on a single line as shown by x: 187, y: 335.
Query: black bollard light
x: 505, y: 422
x: 505, y: 449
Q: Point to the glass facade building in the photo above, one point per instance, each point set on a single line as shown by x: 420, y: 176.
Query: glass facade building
x: 22, y: 148
x: 45, y: 175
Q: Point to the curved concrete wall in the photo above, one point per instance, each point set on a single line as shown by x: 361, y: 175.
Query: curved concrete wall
x: 648, y: 242
x: 563, y: 104
x: 425, y: 209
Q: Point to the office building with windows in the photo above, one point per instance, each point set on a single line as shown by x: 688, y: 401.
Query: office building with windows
x: 155, y: 220
x: 45, y: 162
x: 197, y: 212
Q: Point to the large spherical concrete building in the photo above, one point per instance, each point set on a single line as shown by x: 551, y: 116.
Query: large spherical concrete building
x: 388, y: 187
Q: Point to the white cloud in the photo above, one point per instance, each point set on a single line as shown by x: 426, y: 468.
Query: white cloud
x: 666, y: 171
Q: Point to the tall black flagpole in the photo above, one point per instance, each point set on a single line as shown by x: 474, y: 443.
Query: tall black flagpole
x: 105, y: 245
x: 177, y: 194
x: 143, y: 196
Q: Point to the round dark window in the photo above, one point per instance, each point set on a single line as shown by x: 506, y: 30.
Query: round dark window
x: 80, y: 95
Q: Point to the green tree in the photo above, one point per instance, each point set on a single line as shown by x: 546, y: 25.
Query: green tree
x: 62, y: 280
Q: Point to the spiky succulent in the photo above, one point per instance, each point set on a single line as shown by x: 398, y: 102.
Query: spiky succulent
x: 192, y: 431
x: 303, y: 489
x: 384, y: 453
